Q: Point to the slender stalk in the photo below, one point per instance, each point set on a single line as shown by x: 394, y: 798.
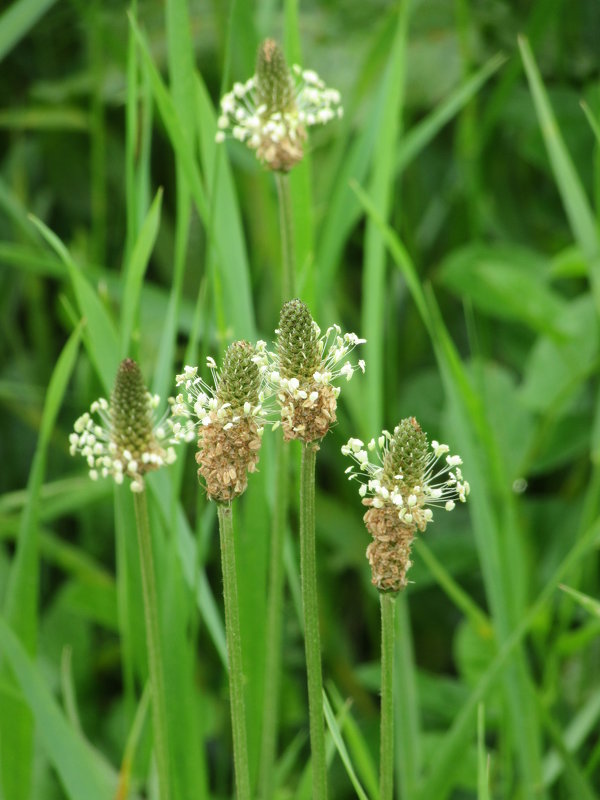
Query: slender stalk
x: 234, y: 653
x: 286, y: 227
x: 274, y: 620
x: 386, y: 744
x: 276, y: 568
x: 310, y: 606
x: 155, y: 664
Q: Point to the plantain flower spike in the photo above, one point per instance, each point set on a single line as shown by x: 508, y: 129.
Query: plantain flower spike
x: 229, y: 417
x: 399, y: 482
x: 271, y: 112
x: 303, y: 369
x: 123, y: 438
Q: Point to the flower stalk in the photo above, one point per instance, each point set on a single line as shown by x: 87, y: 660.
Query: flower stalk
x: 153, y: 641
x: 386, y: 760
x: 234, y: 652
x: 310, y: 608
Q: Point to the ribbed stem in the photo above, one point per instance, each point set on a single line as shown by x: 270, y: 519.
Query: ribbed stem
x: 310, y: 606
x: 286, y: 228
x: 155, y: 664
x: 234, y: 653
x: 268, y: 751
x: 386, y: 743
x: 274, y: 621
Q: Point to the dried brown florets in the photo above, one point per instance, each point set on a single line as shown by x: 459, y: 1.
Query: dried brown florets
x: 226, y: 455
x: 389, y: 552
x: 309, y: 419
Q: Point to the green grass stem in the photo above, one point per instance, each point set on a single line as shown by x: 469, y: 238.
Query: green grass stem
x: 155, y: 663
x: 234, y: 652
x: 310, y: 606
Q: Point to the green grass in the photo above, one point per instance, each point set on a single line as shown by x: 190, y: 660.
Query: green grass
x: 452, y: 219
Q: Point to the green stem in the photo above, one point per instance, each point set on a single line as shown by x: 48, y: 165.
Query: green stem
x: 310, y: 605
x: 155, y: 664
x: 386, y: 744
x: 234, y: 653
x: 286, y: 227
x: 276, y: 572
x: 274, y: 620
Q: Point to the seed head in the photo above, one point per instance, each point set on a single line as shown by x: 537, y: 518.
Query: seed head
x: 302, y: 369
x: 273, y: 109
x: 229, y: 417
x: 126, y: 439
x: 400, y: 483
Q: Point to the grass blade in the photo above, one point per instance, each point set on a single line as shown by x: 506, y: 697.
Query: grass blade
x: 18, y: 20
x: 577, y: 207
x: 134, y: 273
x: 340, y: 746
x: 100, y: 334
x: 21, y: 602
x: 81, y: 771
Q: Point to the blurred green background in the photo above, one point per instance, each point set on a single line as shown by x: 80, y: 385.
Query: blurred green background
x: 452, y: 219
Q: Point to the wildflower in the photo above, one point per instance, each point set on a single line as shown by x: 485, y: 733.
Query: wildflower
x: 230, y: 419
x: 271, y: 111
x: 303, y: 369
x: 400, y: 484
x: 123, y: 438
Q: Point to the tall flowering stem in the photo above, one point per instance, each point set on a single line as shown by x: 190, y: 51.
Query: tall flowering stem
x: 401, y: 478
x: 302, y: 371
x: 234, y: 652
x: 155, y: 659
x: 310, y: 607
x: 386, y: 766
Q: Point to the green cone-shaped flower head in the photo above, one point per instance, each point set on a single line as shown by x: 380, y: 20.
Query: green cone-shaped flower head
x: 275, y: 88
x: 407, y: 458
x: 131, y: 411
x: 298, y: 349
x: 239, y: 381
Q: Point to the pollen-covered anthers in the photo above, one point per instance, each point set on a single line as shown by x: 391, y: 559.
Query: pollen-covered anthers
x: 226, y: 454
x: 272, y: 110
x: 123, y: 438
x: 302, y: 370
x: 389, y: 552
